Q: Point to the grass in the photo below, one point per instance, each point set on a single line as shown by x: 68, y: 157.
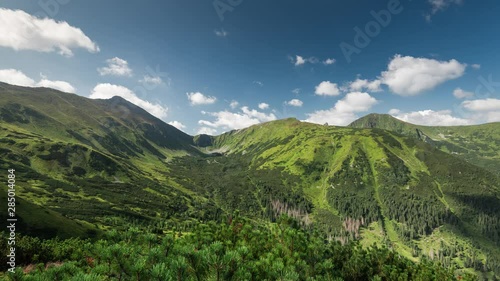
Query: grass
x: 134, y: 172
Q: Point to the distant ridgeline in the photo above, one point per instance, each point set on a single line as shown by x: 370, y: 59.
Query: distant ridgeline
x: 87, y: 167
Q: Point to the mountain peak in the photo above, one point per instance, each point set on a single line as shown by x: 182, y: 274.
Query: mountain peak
x: 375, y: 120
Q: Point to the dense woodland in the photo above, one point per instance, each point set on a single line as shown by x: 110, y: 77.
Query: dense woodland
x: 237, y: 249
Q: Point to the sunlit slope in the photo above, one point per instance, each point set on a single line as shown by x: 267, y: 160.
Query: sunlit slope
x: 478, y: 144
x: 360, y: 177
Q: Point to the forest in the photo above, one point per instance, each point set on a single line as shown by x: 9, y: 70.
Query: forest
x: 234, y: 249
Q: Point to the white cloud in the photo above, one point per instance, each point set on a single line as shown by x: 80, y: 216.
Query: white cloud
x: 329, y: 61
x: 493, y: 116
x: 263, y: 105
x: 409, y: 76
x: 227, y: 120
x: 259, y: 115
x: 344, y: 111
x: 461, y: 94
x: 476, y: 66
x: 22, y: 31
x: 221, y: 33
x: 116, y: 67
x: 151, y: 80
x: 207, y: 131
x: 439, y: 5
x: 296, y: 91
x: 177, y: 124
x: 326, y: 88
x: 234, y: 104
x: 199, y: 98
x: 482, y: 110
x: 58, y: 85
x: 363, y: 84
x: 16, y: 77
x: 394, y: 111
x: 107, y: 91
x: 482, y: 105
x: 300, y: 60
x: 430, y: 118
x: 295, y: 102
x: 258, y: 83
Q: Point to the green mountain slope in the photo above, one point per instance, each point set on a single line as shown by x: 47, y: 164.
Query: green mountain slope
x: 106, y: 164
x: 479, y: 144
x: 100, y: 161
x: 368, y: 184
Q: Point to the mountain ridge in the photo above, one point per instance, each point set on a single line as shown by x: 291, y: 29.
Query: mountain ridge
x: 118, y: 164
x: 477, y: 144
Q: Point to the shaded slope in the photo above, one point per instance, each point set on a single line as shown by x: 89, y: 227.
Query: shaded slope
x: 100, y: 161
x: 94, y: 122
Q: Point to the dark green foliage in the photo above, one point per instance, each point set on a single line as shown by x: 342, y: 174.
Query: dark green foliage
x: 419, y: 216
x: 101, y: 162
x: 396, y: 175
x: 233, y: 184
x: 235, y: 250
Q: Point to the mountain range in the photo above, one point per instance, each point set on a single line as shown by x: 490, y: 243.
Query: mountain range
x: 86, y: 166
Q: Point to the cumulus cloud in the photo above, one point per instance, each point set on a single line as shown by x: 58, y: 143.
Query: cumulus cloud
x: 430, y: 118
x: 22, y: 31
x: 200, y: 99
x: 482, y: 105
x: 344, y: 111
x: 116, y: 67
x: 259, y: 115
x: 300, y: 60
x: 493, y: 116
x: 326, y: 88
x: 58, y: 85
x: 221, y: 33
x: 263, y: 106
x: 481, y: 110
x: 363, y: 84
x: 227, y: 120
x: 107, y: 91
x: 296, y: 91
x: 329, y: 61
x: 295, y: 102
x: 461, y: 94
x: 207, y: 131
x: 410, y: 76
x: 16, y: 77
x: 476, y: 66
x: 177, y: 124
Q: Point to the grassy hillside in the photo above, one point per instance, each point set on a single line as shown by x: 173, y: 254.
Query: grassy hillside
x: 98, y: 161
x: 362, y: 179
x: 90, y: 166
x: 478, y: 144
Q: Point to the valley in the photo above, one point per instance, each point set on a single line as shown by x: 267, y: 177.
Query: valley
x: 86, y: 168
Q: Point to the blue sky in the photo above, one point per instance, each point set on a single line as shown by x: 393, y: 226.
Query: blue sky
x: 213, y: 66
